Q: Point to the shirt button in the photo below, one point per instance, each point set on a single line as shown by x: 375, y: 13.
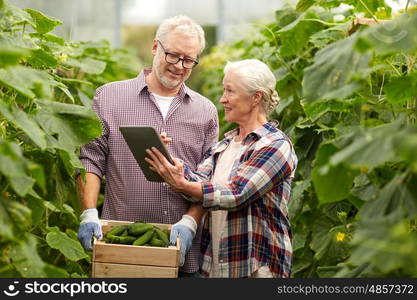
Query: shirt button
x: 165, y: 212
x: 164, y: 184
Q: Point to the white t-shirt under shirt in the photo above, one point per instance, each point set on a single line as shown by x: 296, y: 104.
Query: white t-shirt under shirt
x: 164, y: 103
x: 218, y: 217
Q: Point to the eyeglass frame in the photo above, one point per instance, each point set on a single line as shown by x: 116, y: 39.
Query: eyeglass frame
x: 178, y: 58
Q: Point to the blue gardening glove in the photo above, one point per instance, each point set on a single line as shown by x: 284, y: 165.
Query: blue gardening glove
x: 89, y: 226
x: 185, y: 229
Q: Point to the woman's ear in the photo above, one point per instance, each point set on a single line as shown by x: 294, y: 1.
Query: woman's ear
x: 257, y: 98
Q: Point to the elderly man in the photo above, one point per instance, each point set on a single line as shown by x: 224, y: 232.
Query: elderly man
x: 159, y: 98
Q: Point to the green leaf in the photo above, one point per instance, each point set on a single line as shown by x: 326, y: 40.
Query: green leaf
x: 371, y: 147
x: 37, y: 208
x: 10, y: 55
x: 398, y: 35
x: 407, y: 146
x: 29, y: 82
x: 25, y: 257
x: 331, y: 183
x: 398, y: 194
x: 70, y: 248
x: 303, y: 5
x: 13, y: 166
x: 400, y: 89
x: 41, y: 58
x: 327, y: 249
x: 55, y: 272
x: 23, y: 121
x: 296, y: 204
x: 88, y: 65
x: 327, y: 271
x: 303, y: 263
x: 12, y: 16
x: 49, y: 37
x: 295, y: 36
x: 333, y: 71
x: 299, y: 241
x: 364, y: 189
x: 387, y: 243
x: 314, y: 110
x: 66, y: 121
x: 43, y: 24
x: 6, y: 223
x: 51, y: 206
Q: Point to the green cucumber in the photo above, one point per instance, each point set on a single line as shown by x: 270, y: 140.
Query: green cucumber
x: 162, y: 236
x: 147, y: 236
x: 136, y: 229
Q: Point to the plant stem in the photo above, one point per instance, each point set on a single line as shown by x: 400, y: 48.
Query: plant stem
x: 58, y: 257
x: 323, y: 22
x: 270, y: 31
x: 398, y: 72
x: 382, y: 85
x: 369, y: 11
x: 287, y: 67
x: 406, y: 6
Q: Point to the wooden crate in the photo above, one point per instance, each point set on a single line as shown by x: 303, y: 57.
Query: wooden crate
x: 114, y: 260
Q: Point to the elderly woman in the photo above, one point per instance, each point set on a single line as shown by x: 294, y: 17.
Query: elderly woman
x: 244, y: 183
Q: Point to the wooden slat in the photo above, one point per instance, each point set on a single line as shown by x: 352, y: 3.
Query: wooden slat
x: 103, y: 270
x: 141, y: 255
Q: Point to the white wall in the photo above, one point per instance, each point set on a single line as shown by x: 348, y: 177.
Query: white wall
x: 98, y: 19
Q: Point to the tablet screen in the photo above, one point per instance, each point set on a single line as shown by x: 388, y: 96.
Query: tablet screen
x: 140, y: 138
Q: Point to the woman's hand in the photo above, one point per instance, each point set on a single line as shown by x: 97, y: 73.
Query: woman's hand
x: 173, y: 174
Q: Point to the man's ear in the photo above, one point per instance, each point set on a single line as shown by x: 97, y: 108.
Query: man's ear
x: 154, y: 47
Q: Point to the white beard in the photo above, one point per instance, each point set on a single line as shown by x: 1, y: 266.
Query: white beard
x: 169, y: 83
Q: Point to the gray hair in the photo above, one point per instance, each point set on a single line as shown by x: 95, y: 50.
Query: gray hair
x: 182, y: 24
x: 256, y: 76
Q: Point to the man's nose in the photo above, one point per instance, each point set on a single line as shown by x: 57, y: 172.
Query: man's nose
x: 179, y: 65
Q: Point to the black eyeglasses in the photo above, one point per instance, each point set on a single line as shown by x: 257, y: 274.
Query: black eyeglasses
x: 174, y: 59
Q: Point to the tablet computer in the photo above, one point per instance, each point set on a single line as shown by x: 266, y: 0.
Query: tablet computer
x: 140, y: 138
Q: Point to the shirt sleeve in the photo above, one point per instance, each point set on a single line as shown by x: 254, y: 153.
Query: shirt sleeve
x: 94, y: 154
x: 254, y: 178
x: 212, y: 135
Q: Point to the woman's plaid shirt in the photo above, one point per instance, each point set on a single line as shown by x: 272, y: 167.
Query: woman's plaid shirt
x: 257, y: 230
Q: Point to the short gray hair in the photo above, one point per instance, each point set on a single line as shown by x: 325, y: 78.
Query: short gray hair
x: 256, y: 76
x: 183, y: 24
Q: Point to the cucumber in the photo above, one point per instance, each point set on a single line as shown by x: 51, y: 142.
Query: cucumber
x: 162, y: 236
x: 117, y: 230
x: 155, y: 242
x: 127, y: 240
x: 136, y: 229
x: 167, y: 232
x: 147, y: 236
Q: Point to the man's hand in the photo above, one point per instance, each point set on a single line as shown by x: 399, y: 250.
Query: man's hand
x: 89, y: 226
x: 165, y: 139
x: 185, y: 229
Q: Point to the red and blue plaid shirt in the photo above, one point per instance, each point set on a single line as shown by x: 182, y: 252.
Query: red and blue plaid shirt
x: 257, y: 230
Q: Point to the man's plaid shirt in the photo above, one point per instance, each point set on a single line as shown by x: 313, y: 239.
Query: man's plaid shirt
x: 257, y: 230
